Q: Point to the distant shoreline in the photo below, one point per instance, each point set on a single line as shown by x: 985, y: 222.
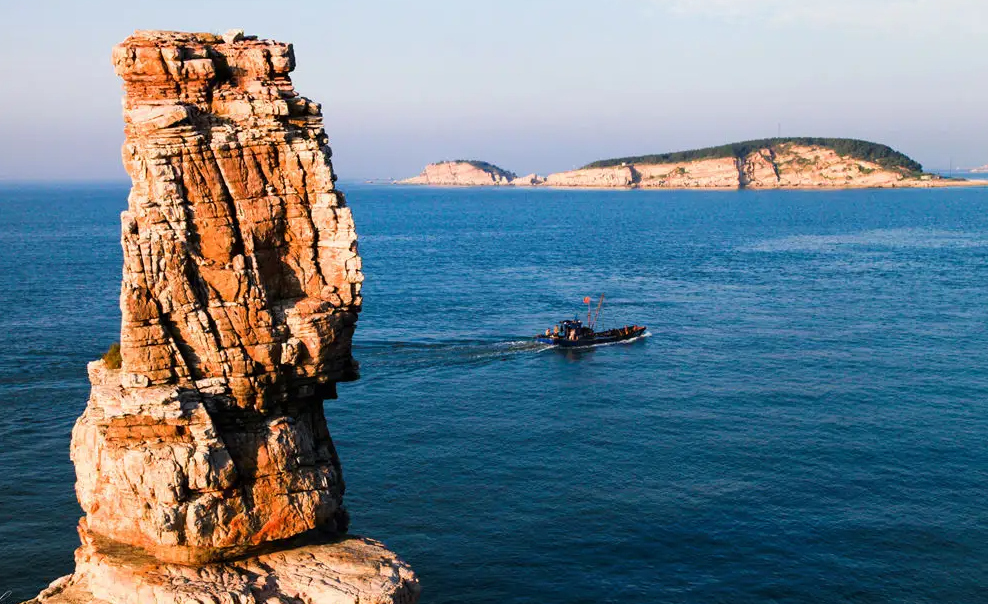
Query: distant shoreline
x: 963, y: 184
x: 804, y: 163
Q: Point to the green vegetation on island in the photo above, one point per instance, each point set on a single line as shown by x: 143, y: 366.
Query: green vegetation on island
x: 882, y: 155
x: 488, y: 167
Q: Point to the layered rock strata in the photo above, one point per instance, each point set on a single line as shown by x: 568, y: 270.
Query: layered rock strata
x: 241, y: 288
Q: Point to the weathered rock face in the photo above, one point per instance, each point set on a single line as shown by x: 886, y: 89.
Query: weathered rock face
x: 529, y: 180
x: 789, y: 166
x: 461, y: 174
x: 240, y: 291
x: 240, y: 256
x: 241, y: 288
x: 353, y: 570
x: 618, y: 177
x: 711, y: 173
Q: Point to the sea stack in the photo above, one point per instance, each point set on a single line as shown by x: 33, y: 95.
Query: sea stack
x: 204, y: 463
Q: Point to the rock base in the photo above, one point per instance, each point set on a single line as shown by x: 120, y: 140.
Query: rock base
x: 352, y: 570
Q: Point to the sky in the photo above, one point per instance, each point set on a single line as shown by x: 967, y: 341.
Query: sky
x: 530, y: 85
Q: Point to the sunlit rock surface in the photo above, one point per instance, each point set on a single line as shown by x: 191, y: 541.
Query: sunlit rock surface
x: 241, y: 288
x: 462, y: 174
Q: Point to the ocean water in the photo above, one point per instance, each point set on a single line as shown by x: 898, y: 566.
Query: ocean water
x: 807, y: 421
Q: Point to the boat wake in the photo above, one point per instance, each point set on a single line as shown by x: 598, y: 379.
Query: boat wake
x: 404, y: 357
x: 382, y: 357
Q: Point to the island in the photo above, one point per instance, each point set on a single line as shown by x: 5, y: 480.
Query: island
x: 463, y: 172
x: 773, y: 163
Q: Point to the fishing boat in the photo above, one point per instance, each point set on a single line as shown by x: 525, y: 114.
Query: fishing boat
x: 574, y: 334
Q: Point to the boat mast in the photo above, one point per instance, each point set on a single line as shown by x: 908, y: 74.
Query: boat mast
x: 597, y: 316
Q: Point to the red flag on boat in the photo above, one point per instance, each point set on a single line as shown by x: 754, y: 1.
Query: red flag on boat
x: 586, y: 300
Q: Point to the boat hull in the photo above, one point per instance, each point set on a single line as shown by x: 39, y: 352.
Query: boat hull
x: 605, y: 337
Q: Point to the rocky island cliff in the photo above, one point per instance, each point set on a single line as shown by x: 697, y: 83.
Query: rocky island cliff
x: 468, y: 173
x: 205, y: 466
x: 791, y: 163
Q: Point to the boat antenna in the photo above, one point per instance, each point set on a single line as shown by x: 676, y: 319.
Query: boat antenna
x: 593, y: 324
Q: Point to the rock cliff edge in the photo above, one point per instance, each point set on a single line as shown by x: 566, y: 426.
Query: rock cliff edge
x: 469, y: 173
x: 204, y: 463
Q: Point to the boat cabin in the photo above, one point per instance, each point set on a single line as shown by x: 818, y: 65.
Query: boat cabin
x: 570, y: 330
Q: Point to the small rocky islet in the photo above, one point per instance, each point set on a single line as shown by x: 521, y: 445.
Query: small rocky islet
x: 204, y: 463
x: 779, y: 163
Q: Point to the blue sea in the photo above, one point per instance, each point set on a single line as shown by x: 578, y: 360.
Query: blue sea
x: 807, y: 421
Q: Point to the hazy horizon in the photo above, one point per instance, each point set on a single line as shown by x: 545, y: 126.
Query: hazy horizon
x: 537, y: 86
